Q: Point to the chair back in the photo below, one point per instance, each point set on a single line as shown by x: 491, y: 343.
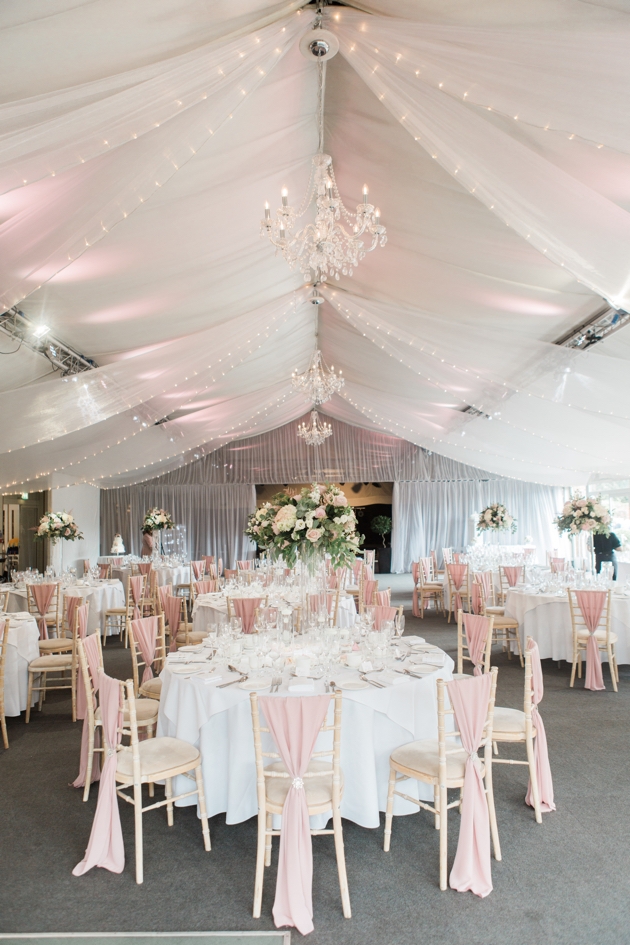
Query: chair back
x: 86, y: 565
x: 444, y: 736
x: 427, y: 571
x: 197, y: 570
x: 434, y: 559
x: 90, y: 660
x: 135, y: 595
x: 245, y: 608
x: 244, y: 565
x: 4, y: 600
x: 44, y: 603
x: 175, y: 614
x: 230, y: 573
x: 381, y: 614
x: 447, y: 556
x: 384, y: 598
x: 148, y: 647
x: 4, y: 642
x: 557, y: 564
x: 582, y: 616
x: 369, y: 593
x: 510, y: 577
x: 482, y: 591
x: 474, y: 641
x: 104, y: 571
x: 163, y: 591
x: 458, y: 576
x: 204, y: 587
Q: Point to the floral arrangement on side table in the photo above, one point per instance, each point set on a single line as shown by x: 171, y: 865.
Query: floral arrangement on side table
x: 318, y: 521
x: 56, y: 525
x: 496, y: 518
x: 583, y: 515
x: 155, y: 520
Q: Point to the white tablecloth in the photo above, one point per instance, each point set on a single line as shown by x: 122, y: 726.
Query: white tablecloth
x: 22, y: 648
x: 208, y: 608
x: 547, y: 619
x: 374, y: 723
x: 107, y: 596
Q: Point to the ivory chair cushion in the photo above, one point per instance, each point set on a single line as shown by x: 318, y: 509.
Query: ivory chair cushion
x: 504, y: 623
x: 195, y: 636
x: 146, y: 711
x: 510, y: 721
x: 156, y: 755
x: 52, y: 661
x: 495, y: 611
x: 423, y: 757
x: 318, y: 790
x: 462, y: 676
x: 54, y: 646
x: 152, y: 688
x: 600, y: 636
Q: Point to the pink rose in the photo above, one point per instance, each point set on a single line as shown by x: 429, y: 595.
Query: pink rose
x: 319, y: 512
x: 586, y: 526
x: 581, y: 503
x: 313, y: 534
x: 340, y: 500
x: 322, y: 489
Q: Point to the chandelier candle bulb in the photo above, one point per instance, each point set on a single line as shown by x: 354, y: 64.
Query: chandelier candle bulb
x: 285, y: 197
x: 365, y: 194
x: 267, y: 212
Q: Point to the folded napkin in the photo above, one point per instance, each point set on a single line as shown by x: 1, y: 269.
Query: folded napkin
x: 186, y: 658
x: 435, y: 659
x: 211, y: 677
x: 302, y: 684
x: 410, y: 641
x: 389, y: 677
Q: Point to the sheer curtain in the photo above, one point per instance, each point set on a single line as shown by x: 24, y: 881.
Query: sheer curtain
x: 436, y: 515
x: 214, y: 515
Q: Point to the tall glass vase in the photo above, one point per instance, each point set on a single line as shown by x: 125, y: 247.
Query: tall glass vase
x: 155, y: 554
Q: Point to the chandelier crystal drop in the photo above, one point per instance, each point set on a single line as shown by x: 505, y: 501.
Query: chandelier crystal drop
x: 325, y: 247
x: 315, y: 433
x: 318, y: 383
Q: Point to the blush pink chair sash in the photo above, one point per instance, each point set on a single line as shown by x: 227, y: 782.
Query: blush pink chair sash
x: 164, y: 590
x: 541, y: 754
x: 198, y: 569
x: 471, y: 868
x: 591, y: 604
x: 145, y: 633
x: 244, y: 565
x: 136, y: 584
x: 381, y: 614
x: 481, y: 590
x: 356, y: 570
x: 415, y: 573
x: 172, y: 607
x: 557, y: 564
x: 476, y: 598
x: 72, y: 601
x: 458, y: 576
x: 103, y: 571
x: 90, y: 645
x: 144, y: 567
x: 81, y: 615
x: 294, y: 724
x: 43, y: 594
x: 383, y: 598
x: 105, y: 847
x: 245, y: 608
x: 513, y: 574
x: 476, y: 630
x: 369, y: 588
x: 205, y: 587
x: 116, y: 562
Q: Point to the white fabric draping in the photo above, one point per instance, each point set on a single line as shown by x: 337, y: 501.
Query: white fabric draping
x: 434, y: 515
x: 215, y: 517
x: 143, y: 252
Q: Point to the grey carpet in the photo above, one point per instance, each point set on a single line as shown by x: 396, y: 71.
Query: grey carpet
x: 566, y: 881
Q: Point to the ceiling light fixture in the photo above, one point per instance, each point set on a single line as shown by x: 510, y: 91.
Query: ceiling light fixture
x: 318, y: 383
x: 315, y: 433
x: 325, y: 247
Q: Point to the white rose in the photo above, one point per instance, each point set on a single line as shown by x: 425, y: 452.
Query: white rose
x: 300, y: 525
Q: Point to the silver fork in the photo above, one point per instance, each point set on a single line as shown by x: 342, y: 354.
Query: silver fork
x: 275, y: 683
x: 241, y: 678
x: 372, y: 682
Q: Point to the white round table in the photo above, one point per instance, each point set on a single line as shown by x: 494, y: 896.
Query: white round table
x: 23, y: 646
x: 208, y: 608
x: 106, y: 595
x: 374, y: 723
x: 547, y: 619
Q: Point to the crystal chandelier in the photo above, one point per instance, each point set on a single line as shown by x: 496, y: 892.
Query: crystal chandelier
x: 316, y: 433
x: 318, y: 383
x: 325, y: 247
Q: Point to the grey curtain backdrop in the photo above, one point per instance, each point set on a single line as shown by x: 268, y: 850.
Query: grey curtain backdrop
x: 434, y: 496
x: 436, y: 515
x: 214, y: 515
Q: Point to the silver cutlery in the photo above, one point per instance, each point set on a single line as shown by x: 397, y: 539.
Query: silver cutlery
x: 241, y: 678
x: 372, y: 682
x: 276, y: 683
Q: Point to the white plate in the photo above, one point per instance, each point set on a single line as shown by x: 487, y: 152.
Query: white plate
x: 190, y: 649
x: 253, y: 685
x: 185, y: 669
x: 424, y: 668
x: 352, y: 684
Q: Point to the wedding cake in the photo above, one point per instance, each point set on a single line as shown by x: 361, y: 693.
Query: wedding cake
x: 117, y: 547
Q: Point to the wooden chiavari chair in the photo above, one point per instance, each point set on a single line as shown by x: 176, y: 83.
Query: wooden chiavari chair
x: 48, y: 672
x: 152, y: 688
x: 427, y: 589
x: 436, y: 763
x: 505, y: 629
x: 436, y: 570
x: 52, y: 615
x: 323, y: 785
x: 156, y: 759
x: 463, y: 592
x: 606, y: 639
x: 463, y: 649
x: 116, y: 619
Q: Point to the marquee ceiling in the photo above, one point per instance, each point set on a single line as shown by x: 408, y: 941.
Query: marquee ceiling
x: 138, y: 143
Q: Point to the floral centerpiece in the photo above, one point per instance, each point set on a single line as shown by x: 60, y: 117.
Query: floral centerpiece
x: 56, y: 525
x: 318, y: 521
x: 583, y: 515
x: 496, y: 518
x: 155, y: 520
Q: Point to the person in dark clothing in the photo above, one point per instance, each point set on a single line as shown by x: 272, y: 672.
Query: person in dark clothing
x: 604, y: 547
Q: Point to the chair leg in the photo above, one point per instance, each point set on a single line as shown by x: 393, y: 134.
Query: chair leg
x: 169, y: 807
x: 443, y: 835
x: 137, y: 810
x: 73, y: 691
x: 611, y: 666
x: 29, y: 698
x: 390, y: 810
x: 436, y: 804
x: 573, y: 669
x: 517, y: 637
x: 494, y: 830
x: 5, y: 736
x: 268, y: 840
x: 341, y: 865
x: 202, y: 809
x: 533, y: 779
x: 260, y: 864
x: 579, y: 662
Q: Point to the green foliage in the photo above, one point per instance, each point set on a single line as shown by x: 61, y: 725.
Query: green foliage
x: 382, y: 525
